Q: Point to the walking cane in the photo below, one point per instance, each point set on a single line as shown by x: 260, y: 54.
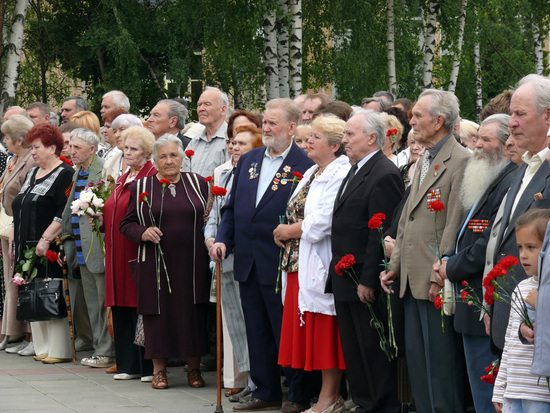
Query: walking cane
x: 219, y: 408
x: 59, y: 241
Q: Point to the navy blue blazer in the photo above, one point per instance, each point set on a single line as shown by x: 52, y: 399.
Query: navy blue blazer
x: 247, y: 229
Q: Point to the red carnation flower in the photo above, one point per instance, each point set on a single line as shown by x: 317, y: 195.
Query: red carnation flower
x: 208, y: 179
x: 380, y: 215
x: 465, y: 283
x: 62, y: 158
x: 375, y: 223
x: 438, y: 302
x: 143, y: 196
x: 218, y: 191
x: 436, y: 206
x: 509, y: 261
x: 164, y: 181
x: 391, y: 132
x: 339, y: 270
x: 297, y: 175
x: 489, y: 294
x: 464, y: 295
x: 189, y: 153
x: 489, y: 378
x: 52, y: 256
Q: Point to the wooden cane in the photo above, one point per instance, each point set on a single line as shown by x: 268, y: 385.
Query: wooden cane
x: 68, y: 299
x: 219, y: 408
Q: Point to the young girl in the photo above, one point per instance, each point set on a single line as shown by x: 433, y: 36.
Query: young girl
x: 516, y: 390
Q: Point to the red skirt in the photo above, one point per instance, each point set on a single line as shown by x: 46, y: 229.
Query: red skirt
x: 309, y: 341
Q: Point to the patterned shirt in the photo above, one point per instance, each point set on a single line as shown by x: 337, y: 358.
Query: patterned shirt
x: 80, y: 185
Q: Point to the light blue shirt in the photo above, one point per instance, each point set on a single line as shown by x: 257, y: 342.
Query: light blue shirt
x: 269, y: 168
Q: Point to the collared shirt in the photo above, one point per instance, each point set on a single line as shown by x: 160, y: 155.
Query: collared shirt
x: 359, y: 166
x: 533, y: 162
x: 269, y: 168
x: 208, y: 154
x: 437, y: 147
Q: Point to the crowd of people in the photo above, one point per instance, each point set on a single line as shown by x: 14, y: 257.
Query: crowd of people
x: 311, y: 289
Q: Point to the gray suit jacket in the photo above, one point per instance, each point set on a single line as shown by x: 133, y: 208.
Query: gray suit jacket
x: 96, y: 261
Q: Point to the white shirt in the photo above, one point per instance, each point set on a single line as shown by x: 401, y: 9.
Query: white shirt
x: 534, y: 163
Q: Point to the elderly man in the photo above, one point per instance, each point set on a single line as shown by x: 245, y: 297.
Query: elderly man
x: 168, y: 116
x: 434, y: 354
x: 209, y: 146
x: 14, y: 110
x: 312, y: 102
x: 82, y: 252
x: 373, y: 185
x: 115, y: 99
x: 257, y: 200
x: 375, y: 103
x: 487, y: 178
x: 39, y: 113
x: 529, y: 123
x: 72, y: 105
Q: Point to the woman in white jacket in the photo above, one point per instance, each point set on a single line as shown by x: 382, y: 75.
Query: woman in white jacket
x: 309, y: 337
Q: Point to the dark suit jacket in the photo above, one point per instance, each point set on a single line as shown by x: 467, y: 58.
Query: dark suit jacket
x: 184, y: 139
x: 376, y: 187
x: 506, y: 239
x: 247, y: 229
x: 468, y: 263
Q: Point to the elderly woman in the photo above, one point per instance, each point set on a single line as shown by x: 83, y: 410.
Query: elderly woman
x: 115, y: 165
x: 109, y: 134
x: 120, y: 289
x: 309, y: 336
x: 246, y: 137
x: 416, y: 151
x: 37, y: 211
x: 165, y: 217
x: 84, y: 254
x: 15, y: 130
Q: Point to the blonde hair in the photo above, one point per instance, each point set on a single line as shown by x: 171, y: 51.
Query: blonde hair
x: 392, y: 123
x: 146, y: 138
x: 333, y: 128
x: 87, y: 119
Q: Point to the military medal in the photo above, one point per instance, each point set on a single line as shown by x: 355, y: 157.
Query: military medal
x: 478, y: 225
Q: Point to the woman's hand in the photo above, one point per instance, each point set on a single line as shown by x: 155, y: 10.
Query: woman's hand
x: 151, y: 234
x: 91, y: 220
x: 209, y: 242
x: 42, y: 248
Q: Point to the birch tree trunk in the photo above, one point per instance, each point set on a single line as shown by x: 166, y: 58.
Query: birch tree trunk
x: 458, y: 51
x: 283, y: 51
x: 477, y: 63
x: 537, y: 40
x: 430, y: 28
x: 13, y: 58
x: 270, y: 57
x: 295, y: 62
x: 392, y: 78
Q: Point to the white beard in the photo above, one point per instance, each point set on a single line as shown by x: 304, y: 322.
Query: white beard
x: 478, y: 177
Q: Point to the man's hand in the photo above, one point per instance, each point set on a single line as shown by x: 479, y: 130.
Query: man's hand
x: 436, y: 272
x: 487, y: 322
x: 434, y: 291
x: 217, y: 252
x: 365, y: 293
x: 387, y: 279
x: 527, y: 333
x: 390, y: 243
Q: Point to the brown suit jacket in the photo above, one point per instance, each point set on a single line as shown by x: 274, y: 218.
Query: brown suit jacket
x: 413, y: 256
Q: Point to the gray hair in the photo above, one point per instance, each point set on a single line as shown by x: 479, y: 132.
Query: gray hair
x: 291, y: 109
x: 385, y: 94
x: 541, y: 90
x: 79, y: 103
x: 374, y: 123
x: 87, y: 135
x: 54, y: 119
x: 176, y: 109
x: 501, y: 121
x: 120, y: 100
x: 42, y: 107
x: 224, y: 100
x: 167, y: 139
x: 126, y: 120
x: 383, y: 104
x: 445, y: 104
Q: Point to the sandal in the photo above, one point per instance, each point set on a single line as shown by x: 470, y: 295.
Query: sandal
x: 195, y: 379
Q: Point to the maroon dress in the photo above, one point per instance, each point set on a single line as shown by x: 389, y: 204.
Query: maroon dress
x: 174, y: 322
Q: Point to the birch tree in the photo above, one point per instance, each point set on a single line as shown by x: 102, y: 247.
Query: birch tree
x: 430, y: 27
x: 460, y: 41
x: 537, y: 42
x: 477, y: 65
x: 270, y: 56
x: 392, y: 78
x: 13, y: 58
x: 295, y: 46
x: 283, y: 51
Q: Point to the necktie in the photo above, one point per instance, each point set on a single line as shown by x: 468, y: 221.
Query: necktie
x: 350, y: 176
x: 425, y: 166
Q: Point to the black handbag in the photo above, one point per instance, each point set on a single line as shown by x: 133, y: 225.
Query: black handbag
x: 41, y: 301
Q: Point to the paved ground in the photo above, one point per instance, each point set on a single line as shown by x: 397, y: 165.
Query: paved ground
x: 31, y: 386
